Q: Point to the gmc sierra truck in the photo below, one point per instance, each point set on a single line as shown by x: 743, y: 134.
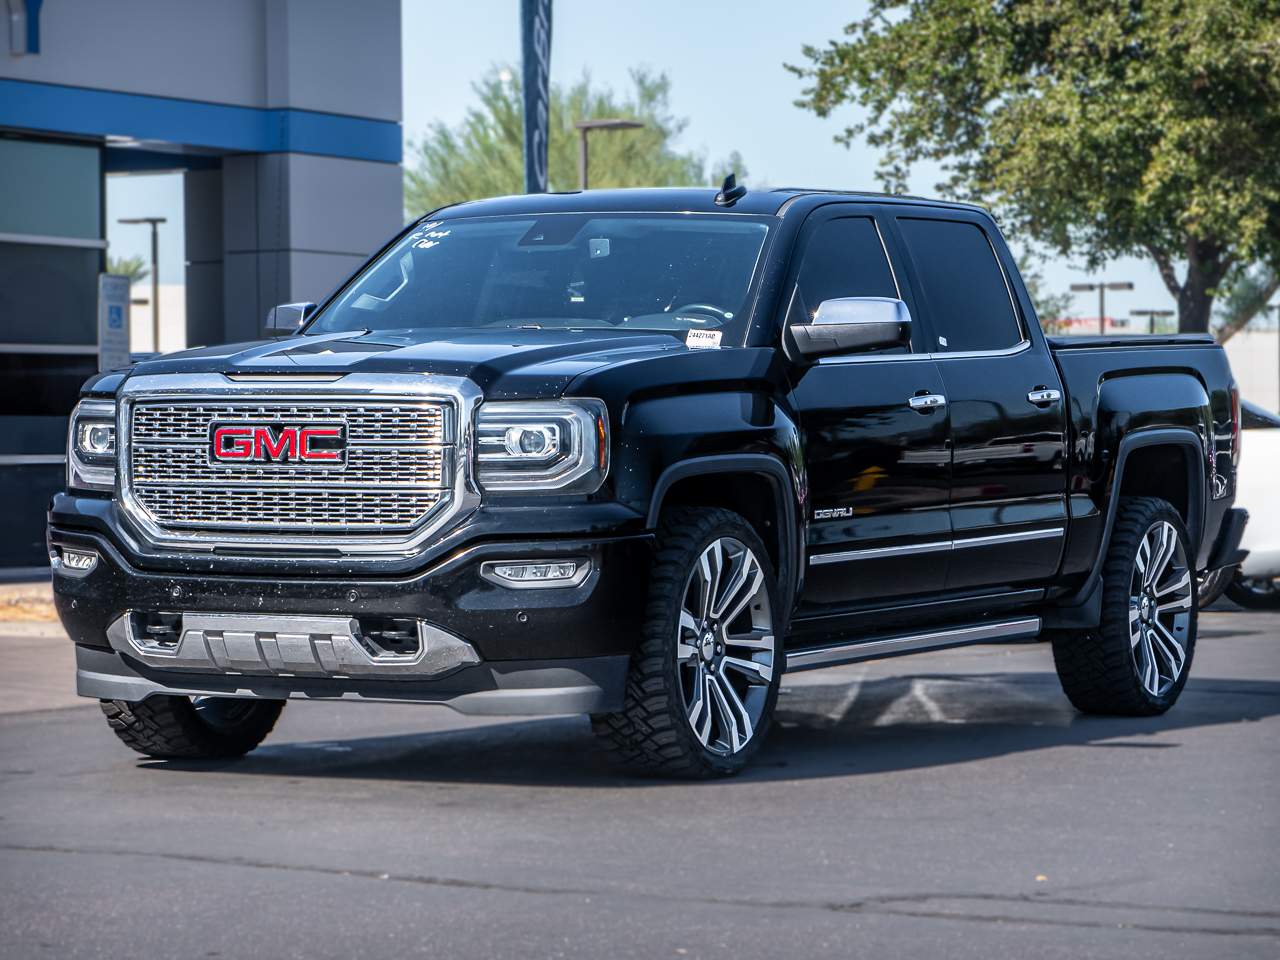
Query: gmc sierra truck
x: 637, y: 454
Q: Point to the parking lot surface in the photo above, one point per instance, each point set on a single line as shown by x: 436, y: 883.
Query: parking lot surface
x: 951, y: 804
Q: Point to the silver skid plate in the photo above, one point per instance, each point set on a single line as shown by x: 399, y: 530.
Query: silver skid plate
x: 289, y: 646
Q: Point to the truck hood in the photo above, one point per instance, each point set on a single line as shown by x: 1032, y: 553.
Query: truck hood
x: 505, y: 364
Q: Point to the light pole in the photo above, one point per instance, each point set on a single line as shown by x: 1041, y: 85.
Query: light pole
x: 1102, y: 287
x: 585, y: 127
x: 1151, y: 317
x: 155, y: 273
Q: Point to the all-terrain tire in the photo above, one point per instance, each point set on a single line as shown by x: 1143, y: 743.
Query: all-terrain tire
x: 653, y: 733
x: 1099, y: 669
x: 171, y: 728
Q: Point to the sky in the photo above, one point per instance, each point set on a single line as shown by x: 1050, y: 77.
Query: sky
x: 725, y: 62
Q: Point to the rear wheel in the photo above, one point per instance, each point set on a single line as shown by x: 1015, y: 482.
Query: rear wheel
x: 701, y: 689
x: 1136, y: 662
x: 192, y: 728
x: 1256, y: 593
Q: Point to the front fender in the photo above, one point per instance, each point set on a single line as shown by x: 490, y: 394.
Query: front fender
x: 664, y: 440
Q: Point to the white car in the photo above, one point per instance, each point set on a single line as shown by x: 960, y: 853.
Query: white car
x: 1256, y: 582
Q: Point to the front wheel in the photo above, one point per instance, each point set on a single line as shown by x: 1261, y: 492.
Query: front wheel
x: 702, y: 686
x: 192, y: 728
x: 1136, y: 662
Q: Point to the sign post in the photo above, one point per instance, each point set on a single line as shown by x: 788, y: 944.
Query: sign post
x: 535, y: 24
x: 113, y: 321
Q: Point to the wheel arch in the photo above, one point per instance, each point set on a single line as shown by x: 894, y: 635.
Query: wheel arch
x: 762, y: 491
x: 1142, y: 468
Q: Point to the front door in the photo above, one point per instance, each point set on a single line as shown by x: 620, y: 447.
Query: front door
x: 1007, y: 411
x: 876, y: 452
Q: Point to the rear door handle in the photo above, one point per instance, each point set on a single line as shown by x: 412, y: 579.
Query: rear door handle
x: 1042, y: 397
x: 928, y: 401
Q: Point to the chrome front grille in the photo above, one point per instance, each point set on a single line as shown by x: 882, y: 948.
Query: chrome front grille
x: 398, y: 469
x: 175, y: 464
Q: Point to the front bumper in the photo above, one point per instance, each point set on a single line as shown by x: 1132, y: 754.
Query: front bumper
x: 558, y: 649
x: 585, y: 685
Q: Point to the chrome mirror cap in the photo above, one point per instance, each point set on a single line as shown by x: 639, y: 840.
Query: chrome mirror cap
x: 286, y: 319
x: 853, y: 324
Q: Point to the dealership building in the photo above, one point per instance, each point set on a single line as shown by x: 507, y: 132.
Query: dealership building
x: 283, y: 119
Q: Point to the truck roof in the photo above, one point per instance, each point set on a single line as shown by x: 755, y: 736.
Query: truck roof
x: 770, y: 202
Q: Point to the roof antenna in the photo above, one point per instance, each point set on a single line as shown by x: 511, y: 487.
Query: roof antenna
x: 730, y: 193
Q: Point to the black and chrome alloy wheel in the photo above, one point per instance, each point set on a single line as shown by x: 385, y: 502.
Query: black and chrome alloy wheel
x: 1135, y: 662
x: 725, y: 647
x: 702, y: 685
x: 1160, y: 599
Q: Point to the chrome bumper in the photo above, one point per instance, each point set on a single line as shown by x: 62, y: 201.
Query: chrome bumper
x: 274, y: 645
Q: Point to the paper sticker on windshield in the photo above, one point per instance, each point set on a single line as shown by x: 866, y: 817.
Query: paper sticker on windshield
x: 702, y: 339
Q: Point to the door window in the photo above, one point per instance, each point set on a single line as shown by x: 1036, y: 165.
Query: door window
x: 963, y: 286
x: 843, y: 258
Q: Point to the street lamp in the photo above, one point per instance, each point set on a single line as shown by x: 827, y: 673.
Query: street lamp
x: 155, y: 273
x: 1102, y: 288
x: 1151, y: 317
x: 585, y: 127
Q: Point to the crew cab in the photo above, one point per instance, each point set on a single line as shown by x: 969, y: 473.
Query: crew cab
x: 638, y: 454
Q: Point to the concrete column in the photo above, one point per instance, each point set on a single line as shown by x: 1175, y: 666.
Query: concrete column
x: 202, y: 194
x: 297, y: 225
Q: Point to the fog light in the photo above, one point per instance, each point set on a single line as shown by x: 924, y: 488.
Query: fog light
x: 75, y: 561
x: 528, y: 574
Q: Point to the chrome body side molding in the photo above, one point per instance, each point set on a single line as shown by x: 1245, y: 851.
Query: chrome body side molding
x: 934, y: 546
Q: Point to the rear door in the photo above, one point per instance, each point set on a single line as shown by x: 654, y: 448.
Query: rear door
x: 1005, y: 400
x: 878, y: 469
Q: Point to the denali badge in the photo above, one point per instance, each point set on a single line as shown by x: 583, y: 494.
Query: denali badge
x: 322, y: 444
x: 833, y: 513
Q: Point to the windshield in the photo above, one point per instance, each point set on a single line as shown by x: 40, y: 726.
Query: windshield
x: 651, y: 272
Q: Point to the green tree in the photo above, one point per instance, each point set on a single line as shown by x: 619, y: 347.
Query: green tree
x: 1095, y: 127
x: 482, y: 156
x: 135, y: 268
x: 1051, y: 308
x: 1246, y: 294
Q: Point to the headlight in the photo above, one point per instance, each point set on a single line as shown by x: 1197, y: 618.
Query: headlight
x: 91, y: 446
x: 542, y: 446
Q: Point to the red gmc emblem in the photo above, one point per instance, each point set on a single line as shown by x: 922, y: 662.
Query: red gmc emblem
x: 315, y: 443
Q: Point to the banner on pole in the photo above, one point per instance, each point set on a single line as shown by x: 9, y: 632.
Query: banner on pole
x: 535, y: 17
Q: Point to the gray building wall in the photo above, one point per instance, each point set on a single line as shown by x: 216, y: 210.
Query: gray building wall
x: 283, y: 117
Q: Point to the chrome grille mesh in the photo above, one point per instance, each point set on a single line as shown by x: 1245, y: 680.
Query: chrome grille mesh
x: 397, y: 472
x: 188, y: 465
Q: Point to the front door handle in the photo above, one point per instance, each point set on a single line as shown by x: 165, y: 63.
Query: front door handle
x: 1042, y: 397
x: 926, y: 402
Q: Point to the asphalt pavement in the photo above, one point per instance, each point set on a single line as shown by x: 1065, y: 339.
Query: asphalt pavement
x: 950, y: 805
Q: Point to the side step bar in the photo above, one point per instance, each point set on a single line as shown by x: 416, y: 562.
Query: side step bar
x: 1024, y: 628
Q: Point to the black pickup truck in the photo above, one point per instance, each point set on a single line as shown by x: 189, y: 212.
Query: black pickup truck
x: 637, y: 454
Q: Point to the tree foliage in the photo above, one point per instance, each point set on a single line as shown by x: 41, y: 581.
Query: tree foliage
x: 1245, y: 295
x: 482, y: 156
x: 1095, y: 127
x: 135, y: 268
x: 1051, y: 308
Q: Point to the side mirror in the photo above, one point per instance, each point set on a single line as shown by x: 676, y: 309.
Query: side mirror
x: 284, y: 320
x: 853, y: 325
